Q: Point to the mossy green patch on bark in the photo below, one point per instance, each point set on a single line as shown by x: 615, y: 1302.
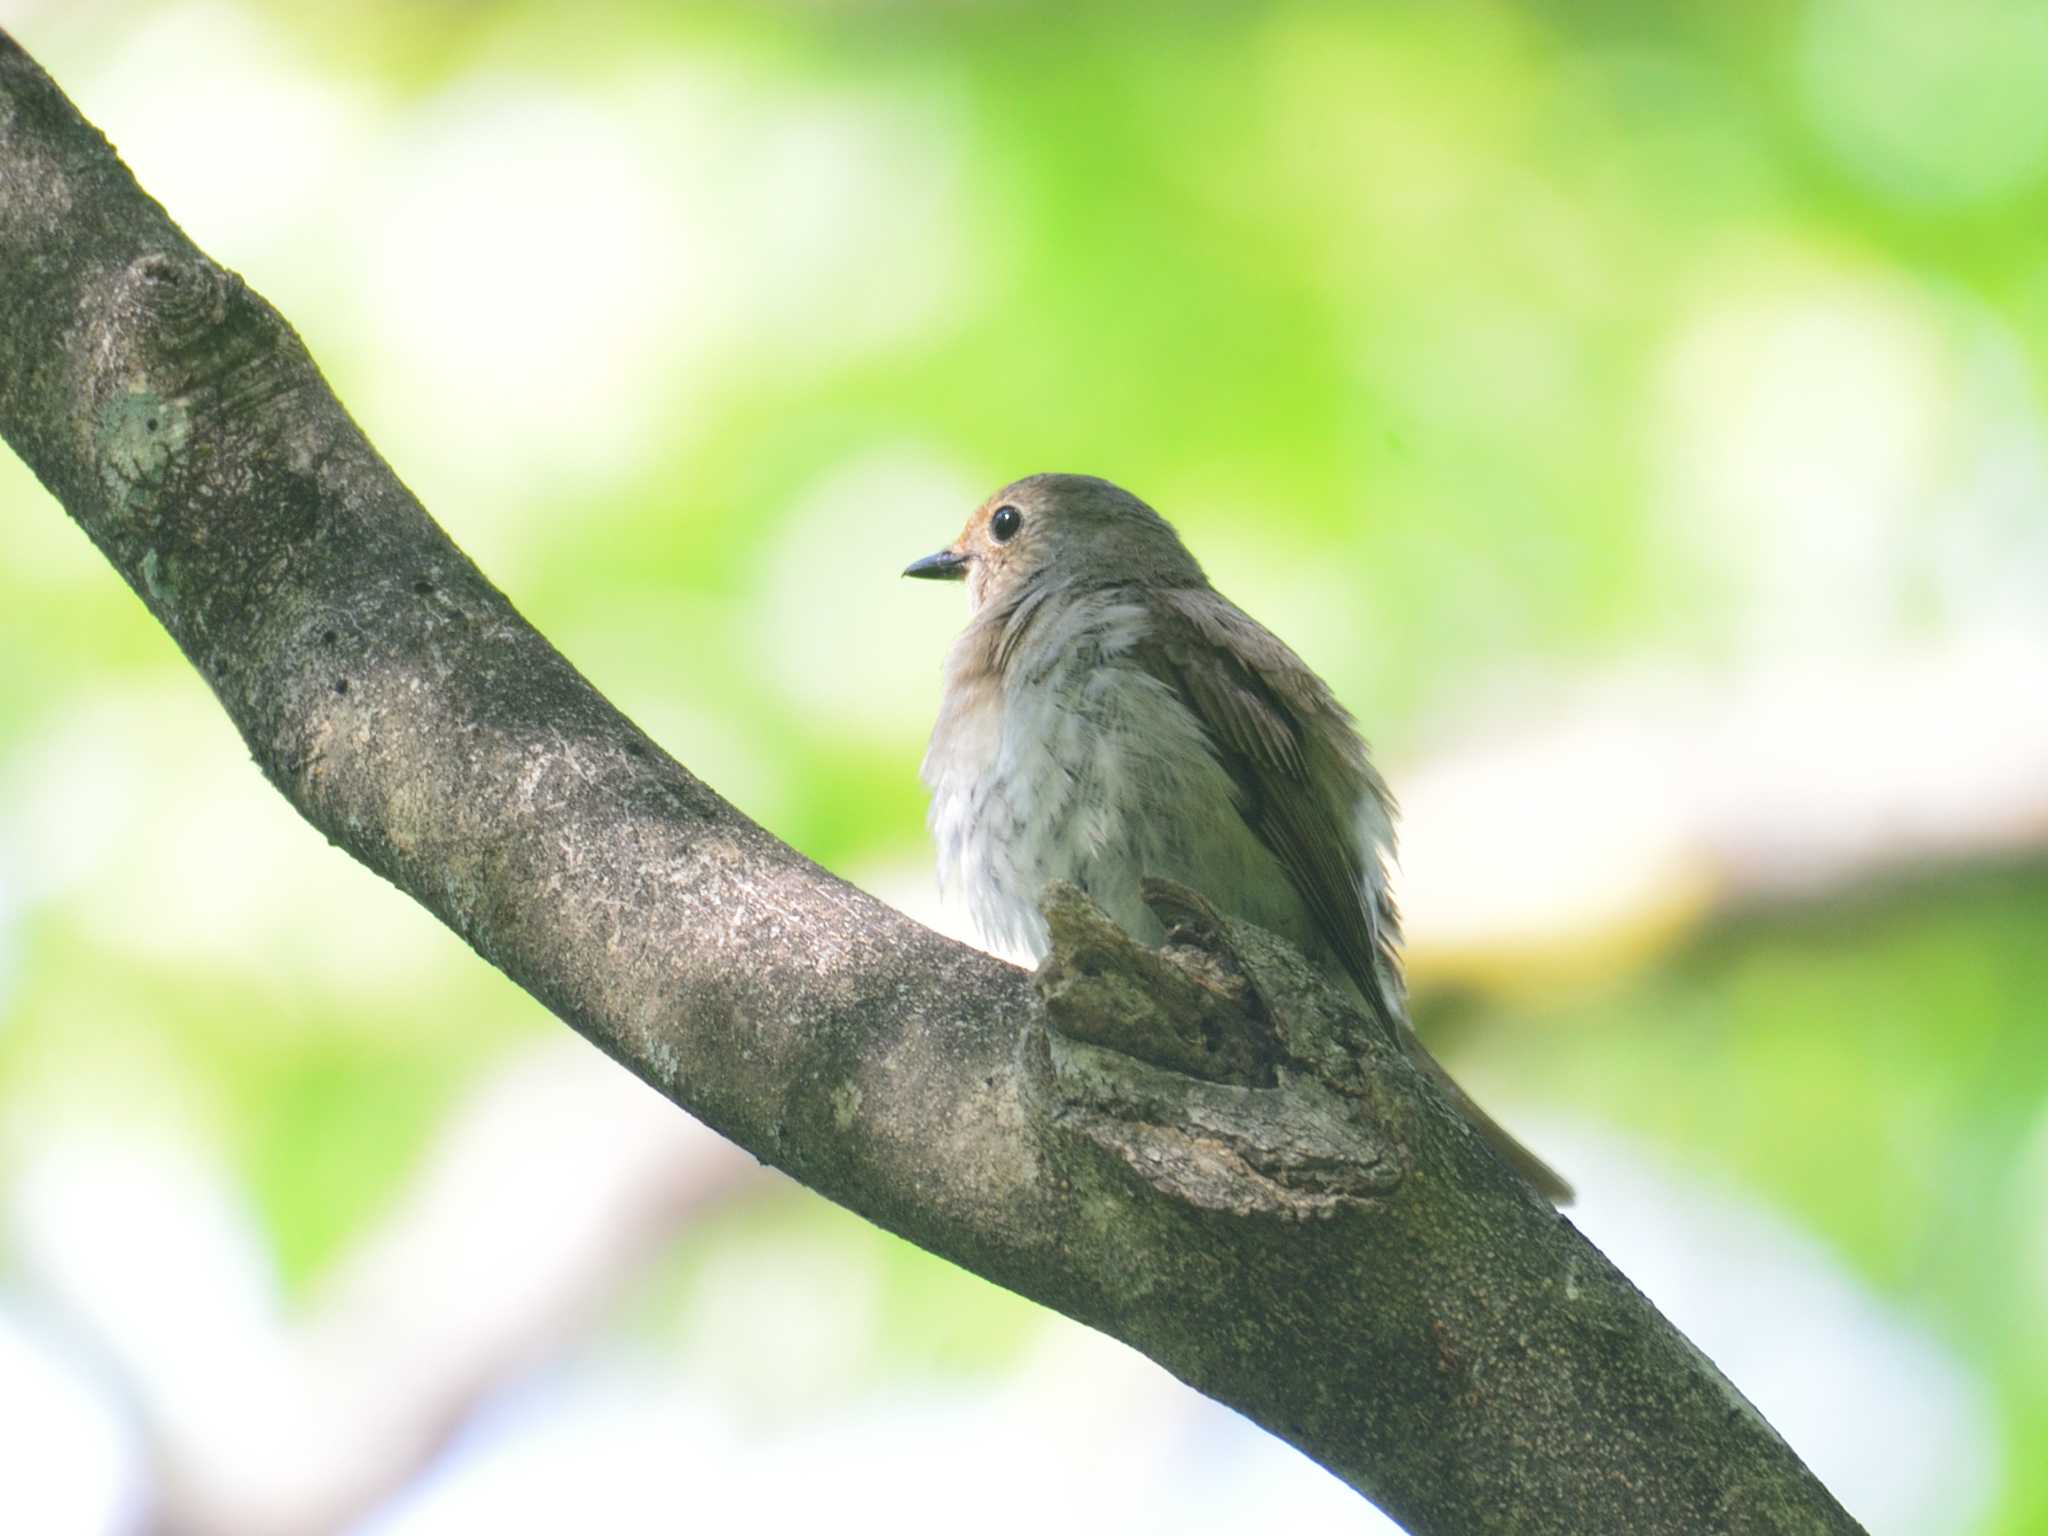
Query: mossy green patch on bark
x: 137, y: 438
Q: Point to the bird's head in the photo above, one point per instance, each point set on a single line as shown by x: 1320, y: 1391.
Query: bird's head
x: 1073, y: 530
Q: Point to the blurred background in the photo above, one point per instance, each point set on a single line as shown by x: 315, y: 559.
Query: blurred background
x: 1635, y: 412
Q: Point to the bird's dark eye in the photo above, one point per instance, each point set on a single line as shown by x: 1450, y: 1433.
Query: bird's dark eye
x: 1005, y: 523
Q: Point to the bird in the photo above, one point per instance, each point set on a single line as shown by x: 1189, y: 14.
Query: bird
x: 1107, y: 715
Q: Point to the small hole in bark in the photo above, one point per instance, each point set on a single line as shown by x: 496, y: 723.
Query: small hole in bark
x: 341, y: 685
x: 424, y: 588
x: 149, y: 425
x: 328, y: 637
x: 633, y: 749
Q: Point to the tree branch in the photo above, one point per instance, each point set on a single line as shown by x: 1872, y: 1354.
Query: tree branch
x: 1198, y: 1150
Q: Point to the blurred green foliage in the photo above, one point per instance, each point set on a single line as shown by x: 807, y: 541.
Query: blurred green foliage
x: 1874, y: 1065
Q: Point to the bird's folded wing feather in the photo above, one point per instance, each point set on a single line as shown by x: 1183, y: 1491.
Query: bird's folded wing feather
x: 1301, y: 771
x: 1282, y: 737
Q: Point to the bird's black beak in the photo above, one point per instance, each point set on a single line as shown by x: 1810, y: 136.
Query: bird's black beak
x: 946, y: 565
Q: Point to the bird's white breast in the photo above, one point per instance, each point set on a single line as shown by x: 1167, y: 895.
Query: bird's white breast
x: 1076, y: 764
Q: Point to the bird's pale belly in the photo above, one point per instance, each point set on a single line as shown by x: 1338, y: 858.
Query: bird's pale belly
x: 1102, y: 779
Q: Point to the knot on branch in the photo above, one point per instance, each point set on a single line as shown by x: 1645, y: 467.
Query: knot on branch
x: 182, y: 296
x: 1221, y: 1067
x: 183, y: 347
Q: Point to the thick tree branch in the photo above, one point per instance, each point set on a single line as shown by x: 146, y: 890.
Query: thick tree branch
x: 1199, y: 1150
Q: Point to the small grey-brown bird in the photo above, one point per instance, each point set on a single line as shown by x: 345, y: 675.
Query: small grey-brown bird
x: 1108, y: 715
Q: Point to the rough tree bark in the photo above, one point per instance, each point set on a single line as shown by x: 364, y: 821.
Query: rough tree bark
x: 1199, y: 1149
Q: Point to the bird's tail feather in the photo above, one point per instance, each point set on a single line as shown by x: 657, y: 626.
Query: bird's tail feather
x: 1547, y: 1180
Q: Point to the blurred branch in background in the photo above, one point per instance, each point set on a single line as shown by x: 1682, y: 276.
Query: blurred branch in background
x: 550, y: 1186
x: 1641, y: 805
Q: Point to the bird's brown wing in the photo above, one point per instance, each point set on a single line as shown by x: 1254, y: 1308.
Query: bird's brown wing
x: 1299, y: 768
